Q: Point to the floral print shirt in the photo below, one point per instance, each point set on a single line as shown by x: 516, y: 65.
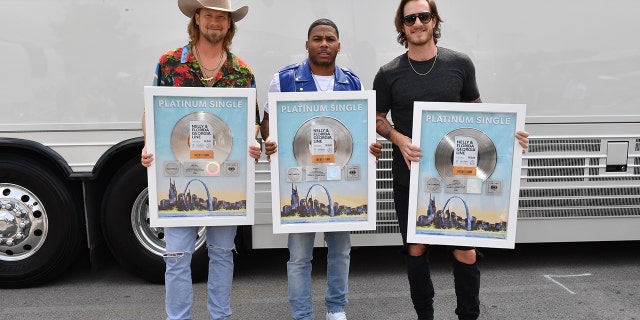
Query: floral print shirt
x: 179, y: 68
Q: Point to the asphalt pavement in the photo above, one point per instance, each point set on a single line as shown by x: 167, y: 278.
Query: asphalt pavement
x: 533, y: 281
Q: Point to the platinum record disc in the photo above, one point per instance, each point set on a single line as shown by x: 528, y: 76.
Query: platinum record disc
x: 487, y: 155
x: 222, y: 137
x: 343, y: 147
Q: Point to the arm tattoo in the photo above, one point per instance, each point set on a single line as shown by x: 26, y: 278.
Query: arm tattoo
x: 387, y: 134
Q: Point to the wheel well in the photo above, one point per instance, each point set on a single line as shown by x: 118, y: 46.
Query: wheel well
x: 44, y: 157
x: 103, y: 172
x: 36, y: 153
x: 112, y: 160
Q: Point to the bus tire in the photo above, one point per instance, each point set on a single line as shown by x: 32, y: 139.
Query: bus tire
x: 40, y: 223
x: 134, y: 244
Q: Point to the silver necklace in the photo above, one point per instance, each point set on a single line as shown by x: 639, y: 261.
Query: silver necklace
x: 423, y: 74
x: 318, y: 84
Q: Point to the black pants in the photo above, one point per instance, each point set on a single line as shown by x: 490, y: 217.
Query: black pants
x: 466, y: 277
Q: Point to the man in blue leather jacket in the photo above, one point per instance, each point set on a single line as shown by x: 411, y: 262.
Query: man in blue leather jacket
x: 318, y: 72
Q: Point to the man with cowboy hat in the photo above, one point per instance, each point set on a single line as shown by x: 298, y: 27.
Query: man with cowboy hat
x: 205, y: 61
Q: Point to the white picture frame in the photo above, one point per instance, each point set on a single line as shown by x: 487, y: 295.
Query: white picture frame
x: 464, y: 190
x: 200, y: 139
x: 345, y: 178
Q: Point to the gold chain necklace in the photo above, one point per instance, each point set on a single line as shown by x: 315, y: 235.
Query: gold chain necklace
x: 423, y: 74
x: 203, y: 68
x: 318, y: 84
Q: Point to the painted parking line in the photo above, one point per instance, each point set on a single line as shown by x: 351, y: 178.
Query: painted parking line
x: 552, y: 278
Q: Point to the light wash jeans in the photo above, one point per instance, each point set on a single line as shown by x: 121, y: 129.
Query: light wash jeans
x: 180, y: 247
x: 299, y: 272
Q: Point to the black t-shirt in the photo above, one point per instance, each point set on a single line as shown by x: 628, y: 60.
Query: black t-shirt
x: 397, y: 85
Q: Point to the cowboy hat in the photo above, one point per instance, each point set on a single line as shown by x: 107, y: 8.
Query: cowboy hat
x: 189, y: 7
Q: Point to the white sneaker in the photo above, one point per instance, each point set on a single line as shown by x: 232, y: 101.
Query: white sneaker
x: 336, y: 316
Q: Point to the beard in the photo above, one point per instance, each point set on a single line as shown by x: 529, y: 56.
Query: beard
x: 213, y: 38
x: 419, y: 41
x: 325, y: 63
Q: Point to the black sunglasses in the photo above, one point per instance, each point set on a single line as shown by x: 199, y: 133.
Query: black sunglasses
x: 410, y: 20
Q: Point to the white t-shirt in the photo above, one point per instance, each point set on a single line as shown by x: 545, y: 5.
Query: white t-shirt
x: 321, y: 83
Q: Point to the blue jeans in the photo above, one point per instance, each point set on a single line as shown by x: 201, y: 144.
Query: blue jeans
x: 299, y: 272
x: 180, y: 247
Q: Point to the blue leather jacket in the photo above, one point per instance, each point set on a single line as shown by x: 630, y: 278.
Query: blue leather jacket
x: 298, y: 78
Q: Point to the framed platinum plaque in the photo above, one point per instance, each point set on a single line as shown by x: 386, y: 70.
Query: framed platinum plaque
x: 323, y: 176
x: 202, y: 174
x: 464, y: 190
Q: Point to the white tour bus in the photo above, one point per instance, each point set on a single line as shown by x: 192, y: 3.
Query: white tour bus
x: 72, y: 100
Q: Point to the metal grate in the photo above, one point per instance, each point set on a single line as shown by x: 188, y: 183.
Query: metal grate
x: 577, y: 213
x: 578, y: 192
x: 556, y: 169
x: 566, y: 178
x: 386, y: 214
x: 578, y: 202
x: 564, y: 145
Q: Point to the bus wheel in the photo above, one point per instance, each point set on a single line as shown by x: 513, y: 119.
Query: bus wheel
x: 40, y: 225
x: 136, y: 245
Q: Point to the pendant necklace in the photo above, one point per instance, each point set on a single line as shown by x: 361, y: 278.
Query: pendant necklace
x: 423, y: 74
x: 206, y: 79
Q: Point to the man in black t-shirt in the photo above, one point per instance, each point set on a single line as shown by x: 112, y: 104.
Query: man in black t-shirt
x: 425, y: 72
